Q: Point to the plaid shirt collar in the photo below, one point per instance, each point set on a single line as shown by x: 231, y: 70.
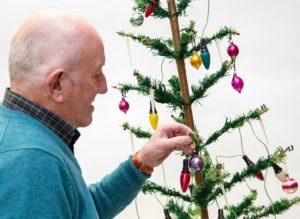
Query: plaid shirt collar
x: 63, y: 129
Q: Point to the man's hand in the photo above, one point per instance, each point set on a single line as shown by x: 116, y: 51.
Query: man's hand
x: 166, y: 139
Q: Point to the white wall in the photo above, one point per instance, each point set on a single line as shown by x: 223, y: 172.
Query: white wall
x: 268, y: 62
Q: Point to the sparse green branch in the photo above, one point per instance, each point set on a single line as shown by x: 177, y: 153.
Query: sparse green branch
x: 278, y: 207
x: 165, y: 47
x: 238, y: 122
x: 160, y: 12
x: 157, y: 46
x: 242, y: 207
x: 177, y: 210
x: 249, y: 171
x: 138, y: 132
x: 170, y: 97
x: 223, y: 32
x: 208, y: 81
x: 187, y: 36
x: 182, y: 6
x: 150, y: 187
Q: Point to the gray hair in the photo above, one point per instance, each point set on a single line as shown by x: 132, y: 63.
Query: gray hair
x: 50, y: 39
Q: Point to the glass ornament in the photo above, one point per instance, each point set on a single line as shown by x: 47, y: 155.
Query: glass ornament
x: 194, y: 210
x: 196, y: 163
x: 249, y: 162
x: 124, y: 105
x: 237, y: 83
x: 136, y: 19
x: 185, y: 176
x: 205, y: 55
x: 195, y: 60
x: 232, y: 50
x: 279, y: 173
x: 149, y: 10
x: 289, y: 185
x: 153, y: 117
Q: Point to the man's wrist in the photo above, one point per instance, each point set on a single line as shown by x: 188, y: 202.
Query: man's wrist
x: 140, y: 166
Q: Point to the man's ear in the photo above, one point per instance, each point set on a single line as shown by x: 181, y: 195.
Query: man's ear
x: 55, y: 85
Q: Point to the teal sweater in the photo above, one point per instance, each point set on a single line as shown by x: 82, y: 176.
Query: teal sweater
x: 40, y: 177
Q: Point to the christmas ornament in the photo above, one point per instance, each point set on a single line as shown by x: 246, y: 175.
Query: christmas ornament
x: 290, y: 185
x: 136, y: 19
x: 220, y: 214
x: 167, y: 214
x: 153, y: 117
x: 196, y: 163
x: 205, y: 56
x: 194, y: 210
x: 195, y: 60
x: 237, y: 83
x: 123, y: 105
x: 279, y: 173
x: 185, y: 176
x: 259, y: 175
x: 149, y: 10
x: 232, y: 50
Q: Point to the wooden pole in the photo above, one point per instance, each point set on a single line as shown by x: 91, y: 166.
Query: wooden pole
x: 183, y: 84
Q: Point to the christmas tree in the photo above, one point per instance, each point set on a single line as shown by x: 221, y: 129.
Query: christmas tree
x: 203, y: 179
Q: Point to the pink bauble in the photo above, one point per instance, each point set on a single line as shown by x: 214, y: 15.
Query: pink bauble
x: 290, y: 185
x: 237, y: 83
x: 232, y: 50
x: 123, y: 105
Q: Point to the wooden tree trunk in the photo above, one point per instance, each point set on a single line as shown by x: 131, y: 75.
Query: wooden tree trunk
x: 183, y: 84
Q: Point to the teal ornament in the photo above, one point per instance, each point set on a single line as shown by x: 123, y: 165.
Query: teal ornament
x: 194, y: 210
x: 205, y: 59
x: 205, y: 55
x: 136, y: 19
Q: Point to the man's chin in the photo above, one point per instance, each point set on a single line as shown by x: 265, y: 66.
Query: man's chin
x: 87, y: 122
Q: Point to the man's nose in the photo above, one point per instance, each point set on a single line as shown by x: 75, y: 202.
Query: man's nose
x: 102, y: 86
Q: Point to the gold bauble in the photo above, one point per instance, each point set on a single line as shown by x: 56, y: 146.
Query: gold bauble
x: 195, y: 60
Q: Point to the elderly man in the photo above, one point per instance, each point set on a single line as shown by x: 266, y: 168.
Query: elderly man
x: 55, y: 66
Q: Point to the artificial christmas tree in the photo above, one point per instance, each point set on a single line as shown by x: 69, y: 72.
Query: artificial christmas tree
x: 207, y: 180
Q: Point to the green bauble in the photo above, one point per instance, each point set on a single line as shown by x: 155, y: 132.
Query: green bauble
x: 194, y: 210
x: 136, y: 19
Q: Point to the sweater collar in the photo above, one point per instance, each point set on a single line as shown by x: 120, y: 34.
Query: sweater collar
x: 62, y: 128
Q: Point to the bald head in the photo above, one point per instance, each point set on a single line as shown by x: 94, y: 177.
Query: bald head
x: 47, y: 40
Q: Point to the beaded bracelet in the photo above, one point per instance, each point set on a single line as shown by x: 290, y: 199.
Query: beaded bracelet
x: 142, y: 167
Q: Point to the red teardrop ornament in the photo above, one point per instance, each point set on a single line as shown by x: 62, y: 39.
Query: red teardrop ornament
x: 185, y: 176
x: 260, y: 176
x: 149, y: 10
